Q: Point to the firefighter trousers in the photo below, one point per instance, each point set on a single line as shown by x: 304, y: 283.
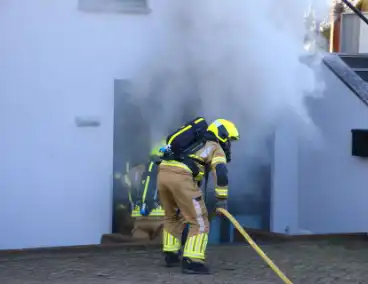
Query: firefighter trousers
x: 180, y: 191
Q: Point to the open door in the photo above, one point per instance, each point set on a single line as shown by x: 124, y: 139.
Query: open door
x: 131, y: 145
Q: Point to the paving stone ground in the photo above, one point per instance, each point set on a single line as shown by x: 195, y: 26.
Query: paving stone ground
x: 304, y: 262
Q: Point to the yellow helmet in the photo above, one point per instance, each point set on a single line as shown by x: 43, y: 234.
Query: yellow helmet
x: 155, y: 151
x: 224, y: 130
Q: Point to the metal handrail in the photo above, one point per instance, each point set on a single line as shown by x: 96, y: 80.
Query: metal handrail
x: 355, y: 10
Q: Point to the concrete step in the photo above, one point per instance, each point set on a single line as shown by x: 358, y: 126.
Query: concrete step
x: 355, y: 60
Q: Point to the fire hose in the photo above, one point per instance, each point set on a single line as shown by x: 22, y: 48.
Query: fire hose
x: 247, y: 237
x: 258, y: 250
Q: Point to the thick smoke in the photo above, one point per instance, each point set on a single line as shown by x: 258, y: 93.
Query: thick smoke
x: 234, y: 59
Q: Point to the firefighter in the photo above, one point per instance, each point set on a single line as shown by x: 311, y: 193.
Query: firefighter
x: 147, y: 211
x: 130, y: 182
x: 178, y: 189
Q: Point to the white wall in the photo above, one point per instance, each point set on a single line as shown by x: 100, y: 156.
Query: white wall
x: 284, y: 181
x: 55, y: 179
x: 318, y: 187
x: 57, y: 63
x: 333, y: 185
x: 354, y: 34
x: 363, y: 36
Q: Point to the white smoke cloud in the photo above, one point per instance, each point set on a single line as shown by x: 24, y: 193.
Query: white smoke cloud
x: 240, y: 59
x: 232, y: 59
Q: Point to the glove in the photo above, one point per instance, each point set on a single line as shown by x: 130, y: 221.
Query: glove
x: 221, y: 203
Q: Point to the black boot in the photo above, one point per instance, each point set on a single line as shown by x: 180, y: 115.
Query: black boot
x: 172, y: 259
x: 192, y: 267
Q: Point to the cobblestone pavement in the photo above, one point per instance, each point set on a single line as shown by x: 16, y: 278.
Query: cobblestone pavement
x: 307, y: 262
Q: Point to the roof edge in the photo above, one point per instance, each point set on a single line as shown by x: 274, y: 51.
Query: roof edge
x: 351, y: 79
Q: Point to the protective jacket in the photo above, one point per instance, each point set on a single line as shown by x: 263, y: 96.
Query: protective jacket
x: 210, y: 156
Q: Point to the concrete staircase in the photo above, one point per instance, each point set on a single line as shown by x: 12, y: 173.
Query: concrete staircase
x: 358, y: 63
